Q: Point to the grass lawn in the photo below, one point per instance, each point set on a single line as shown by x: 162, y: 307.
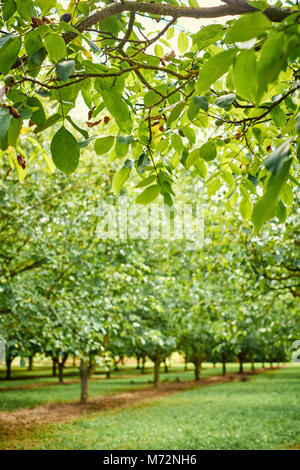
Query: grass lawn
x: 263, y: 413
x: 15, y: 399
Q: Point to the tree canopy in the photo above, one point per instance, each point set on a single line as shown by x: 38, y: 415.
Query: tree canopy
x: 221, y: 103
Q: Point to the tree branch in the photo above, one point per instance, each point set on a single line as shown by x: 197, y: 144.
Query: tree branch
x: 232, y: 8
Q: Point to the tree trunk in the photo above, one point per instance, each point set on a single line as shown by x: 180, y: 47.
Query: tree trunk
x: 84, y: 379
x: 263, y: 365
x: 74, y: 361
x: 166, y: 366
x: 30, y: 362
x: 60, y: 372
x: 108, y: 372
x: 197, y: 365
x: 54, y: 363
x: 214, y: 365
x: 61, y: 364
x: 185, y: 363
x: 241, y: 371
x: 156, y: 371
x: 138, y: 362
x: 252, y: 366
x: 8, y: 361
x: 224, y: 367
x: 143, y: 364
x: 271, y: 365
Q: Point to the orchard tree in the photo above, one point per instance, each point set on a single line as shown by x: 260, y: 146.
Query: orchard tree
x: 221, y: 102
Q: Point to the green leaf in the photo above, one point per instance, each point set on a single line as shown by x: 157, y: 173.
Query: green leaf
x: 175, y: 113
x: 192, y: 158
x: 26, y: 9
x: 214, y: 68
x: 55, y: 46
x: 65, y: 151
x: 201, y: 102
x: 208, y: 151
x: 149, y: 194
x: 281, y: 212
x: 183, y: 42
x: 64, y: 69
x: 118, y: 109
x: 225, y: 101
x: 103, y: 145
x: 5, y: 118
x: 259, y: 4
x: 278, y: 116
x: 46, y: 5
x: 159, y: 51
x: 275, y: 160
x: 119, y: 179
x: 247, y: 27
x: 14, y: 131
x: 9, y: 54
x: 208, y: 35
x: 271, y: 62
x: 38, y: 115
x: 93, y: 45
x: 146, y: 181
x: 177, y: 143
x: 265, y: 207
x: 244, y: 74
x: 9, y: 8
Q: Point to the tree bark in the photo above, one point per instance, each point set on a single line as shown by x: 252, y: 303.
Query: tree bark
x: 54, y: 364
x: 138, y: 358
x: 197, y: 365
x: 224, y: 367
x: 252, y: 366
x: 61, y: 364
x: 156, y: 371
x: 166, y: 366
x: 233, y: 8
x: 8, y: 362
x: 30, y: 362
x: 84, y: 379
x: 143, y: 364
x: 241, y: 370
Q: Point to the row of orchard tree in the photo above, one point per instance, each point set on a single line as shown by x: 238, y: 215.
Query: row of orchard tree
x: 66, y: 292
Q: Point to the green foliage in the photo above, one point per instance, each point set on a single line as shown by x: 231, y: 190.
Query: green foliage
x: 241, y: 77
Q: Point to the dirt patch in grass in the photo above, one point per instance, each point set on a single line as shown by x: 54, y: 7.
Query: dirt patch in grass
x: 26, y: 419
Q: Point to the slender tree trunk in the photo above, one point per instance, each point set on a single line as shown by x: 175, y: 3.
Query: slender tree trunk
x: 214, y: 365
x: 263, y: 365
x: 74, y: 361
x: 271, y: 365
x: 224, y: 367
x: 241, y: 371
x: 61, y: 364
x: 108, y: 373
x: 156, y: 371
x: 54, y: 364
x: 252, y: 366
x: 197, y: 365
x: 166, y: 366
x: 84, y: 379
x: 138, y: 358
x: 8, y: 361
x: 143, y: 364
x: 30, y: 362
x: 60, y: 372
x: 185, y: 363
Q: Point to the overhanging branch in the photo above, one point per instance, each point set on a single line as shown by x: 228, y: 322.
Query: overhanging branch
x: 232, y: 8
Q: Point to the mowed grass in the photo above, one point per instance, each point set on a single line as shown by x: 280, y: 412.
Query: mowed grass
x: 263, y: 413
x: 16, y: 399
